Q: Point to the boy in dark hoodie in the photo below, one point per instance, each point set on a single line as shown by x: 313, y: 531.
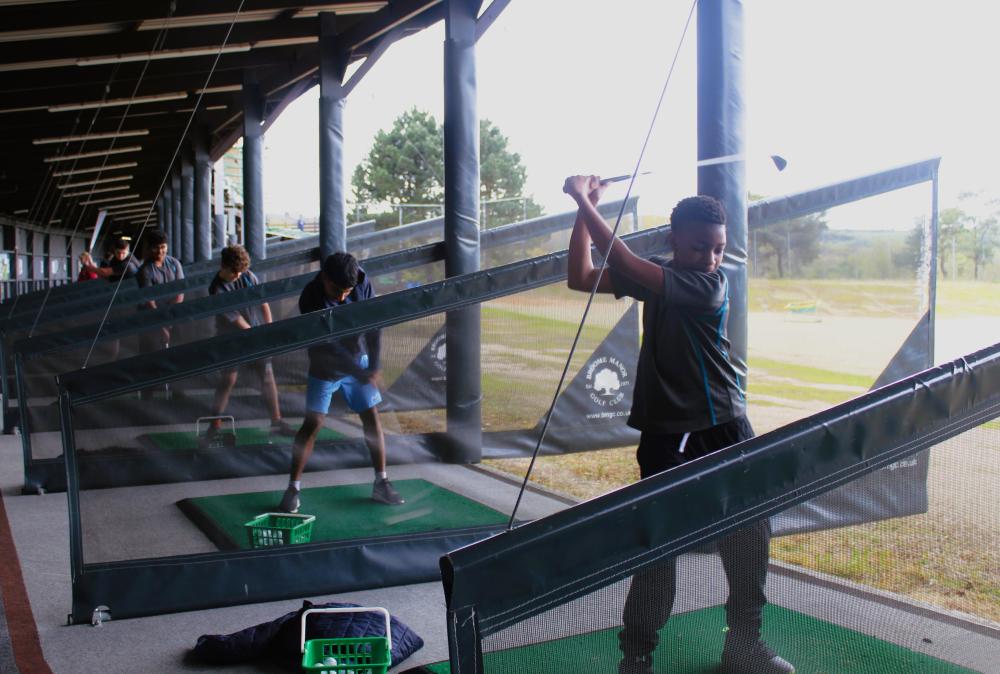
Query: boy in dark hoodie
x: 350, y: 365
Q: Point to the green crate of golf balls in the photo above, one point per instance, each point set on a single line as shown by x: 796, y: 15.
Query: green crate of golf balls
x: 271, y: 529
x: 362, y: 655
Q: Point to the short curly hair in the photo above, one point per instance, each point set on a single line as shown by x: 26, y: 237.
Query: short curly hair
x: 155, y: 238
x: 235, y: 258
x: 342, y: 270
x: 695, y: 211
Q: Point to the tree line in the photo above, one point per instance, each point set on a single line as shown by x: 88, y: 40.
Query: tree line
x: 402, y: 177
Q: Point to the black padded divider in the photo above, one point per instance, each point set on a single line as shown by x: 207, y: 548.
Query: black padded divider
x: 213, y: 305
x: 766, y: 211
x: 196, y: 582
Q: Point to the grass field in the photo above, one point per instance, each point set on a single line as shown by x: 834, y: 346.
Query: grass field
x: 948, y: 557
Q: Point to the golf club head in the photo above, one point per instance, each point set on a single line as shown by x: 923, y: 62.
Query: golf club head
x: 779, y: 162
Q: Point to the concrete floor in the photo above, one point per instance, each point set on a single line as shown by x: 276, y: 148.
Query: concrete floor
x: 159, y: 643
x: 40, y: 530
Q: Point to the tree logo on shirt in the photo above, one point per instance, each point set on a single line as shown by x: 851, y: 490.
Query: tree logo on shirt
x: 607, y: 379
x: 439, y: 352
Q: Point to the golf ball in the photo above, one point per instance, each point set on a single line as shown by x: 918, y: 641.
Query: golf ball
x: 330, y: 661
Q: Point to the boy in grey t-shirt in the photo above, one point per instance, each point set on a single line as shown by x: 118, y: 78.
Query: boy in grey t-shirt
x: 234, y: 274
x: 158, y: 268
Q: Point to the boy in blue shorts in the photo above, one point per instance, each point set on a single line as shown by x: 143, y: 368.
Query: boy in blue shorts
x: 688, y: 402
x: 349, y: 365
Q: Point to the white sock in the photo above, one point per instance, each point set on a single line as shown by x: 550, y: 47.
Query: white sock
x: 382, y: 476
x: 297, y: 484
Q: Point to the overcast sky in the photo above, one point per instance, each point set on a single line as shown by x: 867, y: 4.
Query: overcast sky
x: 838, y: 88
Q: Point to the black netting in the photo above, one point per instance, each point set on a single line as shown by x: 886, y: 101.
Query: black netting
x: 146, y: 459
x: 913, y: 594
x: 421, y: 388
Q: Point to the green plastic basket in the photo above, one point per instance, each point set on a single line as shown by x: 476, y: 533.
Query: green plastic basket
x: 271, y: 529
x: 364, y: 655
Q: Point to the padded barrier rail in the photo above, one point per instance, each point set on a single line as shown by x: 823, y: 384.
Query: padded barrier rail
x: 97, y: 296
x: 133, y: 374
x: 76, y: 291
x: 46, y: 473
x: 29, y: 348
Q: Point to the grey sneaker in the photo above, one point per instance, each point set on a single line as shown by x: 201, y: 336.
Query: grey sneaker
x: 281, y: 427
x: 290, y: 501
x: 753, y: 658
x: 384, y: 492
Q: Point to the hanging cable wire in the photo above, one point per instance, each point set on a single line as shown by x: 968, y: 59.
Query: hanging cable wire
x: 157, y: 44
x: 50, y: 206
x: 166, y: 174
x: 603, y: 266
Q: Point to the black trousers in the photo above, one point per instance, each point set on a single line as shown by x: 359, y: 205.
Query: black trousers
x: 744, y: 552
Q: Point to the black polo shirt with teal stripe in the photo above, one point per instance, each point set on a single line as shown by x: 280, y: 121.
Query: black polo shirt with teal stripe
x: 685, y: 380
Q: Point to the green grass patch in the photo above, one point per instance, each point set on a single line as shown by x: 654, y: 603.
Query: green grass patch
x: 530, y: 325
x: 840, y: 297
x: 968, y: 298
x: 806, y: 373
x: 922, y: 556
x: 788, y: 391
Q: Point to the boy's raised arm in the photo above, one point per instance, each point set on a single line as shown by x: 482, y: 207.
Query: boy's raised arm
x: 581, y: 271
x: 622, y: 259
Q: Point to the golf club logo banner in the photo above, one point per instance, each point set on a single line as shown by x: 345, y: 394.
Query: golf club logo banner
x: 600, y: 394
x: 607, y: 382
x: 438, y: 352
x: 423, y: 384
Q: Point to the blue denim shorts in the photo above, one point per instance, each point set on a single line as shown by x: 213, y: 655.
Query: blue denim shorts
x: 360, y: 396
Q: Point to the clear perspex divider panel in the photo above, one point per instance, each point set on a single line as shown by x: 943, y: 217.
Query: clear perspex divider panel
x: 913, y: 594
x: 833, y: 298
x: 170, y: 470
x: 39, y: 371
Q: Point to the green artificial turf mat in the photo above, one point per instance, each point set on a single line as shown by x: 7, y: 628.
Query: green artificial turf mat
x: 245, y: 437
x: 344, y: 512
x: 692, y: 642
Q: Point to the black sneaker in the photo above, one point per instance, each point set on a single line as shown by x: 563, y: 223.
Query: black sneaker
x: 636, y: 664
x: 290, y: 501
x: 753, y: 658
x: 384, y: 492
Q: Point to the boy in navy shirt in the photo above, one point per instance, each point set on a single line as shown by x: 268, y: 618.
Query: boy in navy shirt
x: 234, y: 274
x: 350, y: 365
x: 688, y: 402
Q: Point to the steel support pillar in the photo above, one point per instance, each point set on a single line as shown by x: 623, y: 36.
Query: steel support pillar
x: 202, y: 199
x: 461, y: 227
x: 721, y: 108
x: 186, y: 254
x: 167, y: 217
x: 175, y: 211
x: 332, y: 97
x: 219, y: 217
x: 253, y: 170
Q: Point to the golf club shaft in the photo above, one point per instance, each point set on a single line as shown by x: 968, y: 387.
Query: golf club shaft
x: 618, y: 179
